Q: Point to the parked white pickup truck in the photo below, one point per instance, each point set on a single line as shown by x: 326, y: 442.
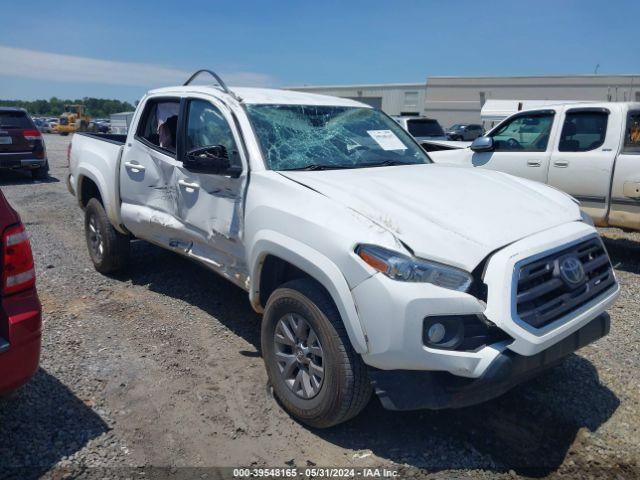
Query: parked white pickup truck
x: 440, y: 286
x: 589, y: 150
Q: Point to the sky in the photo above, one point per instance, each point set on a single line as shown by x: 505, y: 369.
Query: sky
x: 120, y: 49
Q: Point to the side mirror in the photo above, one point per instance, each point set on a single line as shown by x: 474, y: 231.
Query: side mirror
x: 482, y: 144
x: 210, y: 159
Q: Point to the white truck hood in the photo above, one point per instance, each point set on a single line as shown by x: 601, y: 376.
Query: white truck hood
x: 450, y: 214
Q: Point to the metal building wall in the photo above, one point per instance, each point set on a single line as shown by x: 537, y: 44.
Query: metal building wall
x: 456, y: 99
x: 459, y: 99
x: 390, y: 98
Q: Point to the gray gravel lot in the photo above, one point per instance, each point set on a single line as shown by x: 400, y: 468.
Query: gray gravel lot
x: 160, y: 366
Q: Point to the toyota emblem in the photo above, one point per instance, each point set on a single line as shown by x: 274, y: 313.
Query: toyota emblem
x: 572, y: 271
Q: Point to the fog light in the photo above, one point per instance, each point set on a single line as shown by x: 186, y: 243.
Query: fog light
x: 436, y: 332
x: 443, y: 331
x: 460, y: 332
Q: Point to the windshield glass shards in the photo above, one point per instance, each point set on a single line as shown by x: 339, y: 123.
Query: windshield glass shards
x: 310, y: 137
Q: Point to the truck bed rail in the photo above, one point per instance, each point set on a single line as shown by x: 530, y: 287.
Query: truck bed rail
x: 117, y: 138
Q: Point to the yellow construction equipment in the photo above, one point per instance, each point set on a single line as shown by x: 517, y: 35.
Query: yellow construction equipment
x: 72, y: 120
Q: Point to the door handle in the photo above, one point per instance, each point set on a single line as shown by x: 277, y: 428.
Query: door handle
x: 134, y: 167
x: 561, y: 163
x: 188, y: 186
x: 533, y: 163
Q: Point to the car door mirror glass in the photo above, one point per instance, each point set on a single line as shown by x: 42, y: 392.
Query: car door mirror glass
x: 482, y: 144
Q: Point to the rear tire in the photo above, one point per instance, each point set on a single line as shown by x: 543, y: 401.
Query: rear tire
x: 343, y: 389
x: 108, y: 248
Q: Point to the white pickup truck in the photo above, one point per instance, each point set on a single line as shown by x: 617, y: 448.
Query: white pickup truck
x: 439, y: 286
x: 589, y: 150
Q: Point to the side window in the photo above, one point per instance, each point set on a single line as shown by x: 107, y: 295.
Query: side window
x: 524, y: 133
x: 632, y: 133
x: 206, y: 127
x: 159, y: 124
x: 583, y: 131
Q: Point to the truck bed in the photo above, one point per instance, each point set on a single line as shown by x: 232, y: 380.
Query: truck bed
x: 95, y: 157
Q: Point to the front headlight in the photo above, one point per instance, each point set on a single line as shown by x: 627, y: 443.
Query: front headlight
x: 408, y: 269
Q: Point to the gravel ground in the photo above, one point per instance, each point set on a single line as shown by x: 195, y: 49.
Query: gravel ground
x: 159, y: 367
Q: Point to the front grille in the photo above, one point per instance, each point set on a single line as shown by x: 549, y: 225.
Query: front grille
x: 544, y: 293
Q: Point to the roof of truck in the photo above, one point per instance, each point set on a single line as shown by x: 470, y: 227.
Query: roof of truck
x: 265, y: 96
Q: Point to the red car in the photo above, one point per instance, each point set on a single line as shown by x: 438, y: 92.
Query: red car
x: 20, y: 310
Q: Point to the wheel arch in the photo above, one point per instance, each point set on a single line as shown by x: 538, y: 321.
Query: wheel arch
x: 272, y: 250
x: 87, y: 189
x: 91, y: 183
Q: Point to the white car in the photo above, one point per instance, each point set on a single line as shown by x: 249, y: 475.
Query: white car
x: 374, y: 268
x: 589, y: 150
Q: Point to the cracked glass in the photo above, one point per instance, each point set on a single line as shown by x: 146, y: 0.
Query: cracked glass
x: 299, y: 137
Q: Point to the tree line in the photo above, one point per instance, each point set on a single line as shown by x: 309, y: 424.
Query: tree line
x: 94, y: 107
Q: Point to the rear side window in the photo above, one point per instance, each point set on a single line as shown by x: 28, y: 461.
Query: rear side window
x: 15, y: 120
x: 159, y: 124
x: 524, y: 133
x: 632, y: 133
x: 424, y: 128
x: 583, y: 131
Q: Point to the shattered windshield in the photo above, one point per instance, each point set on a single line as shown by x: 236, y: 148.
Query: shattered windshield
x: 303, y: 137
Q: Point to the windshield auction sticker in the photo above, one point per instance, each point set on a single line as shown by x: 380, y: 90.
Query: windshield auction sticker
x: 387, y: 139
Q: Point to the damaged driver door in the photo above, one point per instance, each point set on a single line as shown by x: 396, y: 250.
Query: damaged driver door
x: 210, y: 192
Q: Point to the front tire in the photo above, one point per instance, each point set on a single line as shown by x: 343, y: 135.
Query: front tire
x: 108, y: 248
x: 315, y: 373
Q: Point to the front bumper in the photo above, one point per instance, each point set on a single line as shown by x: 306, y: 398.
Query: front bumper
x: 392, y: 313
x: 412, y: 390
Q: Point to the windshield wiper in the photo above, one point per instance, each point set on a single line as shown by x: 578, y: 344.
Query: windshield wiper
x: 315, y: 166
x: 385, y: 163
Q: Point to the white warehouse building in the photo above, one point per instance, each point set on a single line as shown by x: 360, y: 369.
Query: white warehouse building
x: 393, y: 98
x: 459, y: 99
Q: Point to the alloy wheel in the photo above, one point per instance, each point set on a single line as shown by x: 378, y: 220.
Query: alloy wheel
x: 299, y: 355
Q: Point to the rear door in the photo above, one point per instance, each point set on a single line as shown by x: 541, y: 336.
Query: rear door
x: 625, y: 194
x: 583, y: 157
x: 522, y: 146
x: 149, y: 174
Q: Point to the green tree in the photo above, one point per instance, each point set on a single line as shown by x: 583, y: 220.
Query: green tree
x: 95, y: 107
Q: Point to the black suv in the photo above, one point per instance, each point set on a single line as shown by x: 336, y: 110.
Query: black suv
x: 21, y: 143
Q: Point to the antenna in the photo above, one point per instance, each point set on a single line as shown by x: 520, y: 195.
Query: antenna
x: 222, y: 85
